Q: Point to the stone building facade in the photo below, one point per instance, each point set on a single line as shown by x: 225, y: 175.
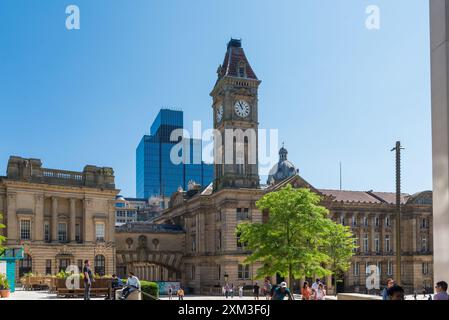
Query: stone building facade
x: 60, y: 217
x: 212, y: 253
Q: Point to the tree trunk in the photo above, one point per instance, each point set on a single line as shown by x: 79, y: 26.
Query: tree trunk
x: 290, y: 277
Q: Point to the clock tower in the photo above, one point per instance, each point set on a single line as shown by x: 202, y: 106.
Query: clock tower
x: 235, y: 110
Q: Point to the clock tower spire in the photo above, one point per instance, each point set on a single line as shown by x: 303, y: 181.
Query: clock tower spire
x: 235, y: 109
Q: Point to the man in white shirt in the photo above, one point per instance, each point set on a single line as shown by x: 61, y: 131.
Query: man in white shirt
x: 315, y: 285
x: 132, y: 284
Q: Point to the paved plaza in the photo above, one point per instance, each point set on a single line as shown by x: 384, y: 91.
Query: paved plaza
x: 45, y: 295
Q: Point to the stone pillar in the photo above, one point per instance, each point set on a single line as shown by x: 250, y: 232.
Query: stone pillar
x: 88, y: 226
x: 439, y: 34
x: 54, y: 219
x: 12, y: 224
x: 72, y: 219
x: 39, y: 218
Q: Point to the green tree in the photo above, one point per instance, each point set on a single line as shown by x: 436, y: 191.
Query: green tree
x: 290, y: 242
x: 339, y: 246
x: 2, y: 226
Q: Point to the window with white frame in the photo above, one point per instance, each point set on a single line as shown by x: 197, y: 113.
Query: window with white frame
x: 100, y: 231
x: 243, y: 272
x: 423, y: 243
x: 365, y: 243
x: 376, y: 221
x: 62, y: 232
x: 356, y: 268
x: 377, y: 243
x: 367, y: 268
x: 379, y: 268
x: 354, y: 221
x: 342, y: 220
x: 387, y: 221
x: 425, y: 268
x: 25, y: 229
x: 365, y: 221
x: 387, y: 243
x: 389, y: 268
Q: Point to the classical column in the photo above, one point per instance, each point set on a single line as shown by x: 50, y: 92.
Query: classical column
x: 439, y: 35
x: 38, y: 225
x: 54, y: 219
x: 72, y: 219
x: 12, y: 224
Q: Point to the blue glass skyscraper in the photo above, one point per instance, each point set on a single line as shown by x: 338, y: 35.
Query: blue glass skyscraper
x: 156, y: 174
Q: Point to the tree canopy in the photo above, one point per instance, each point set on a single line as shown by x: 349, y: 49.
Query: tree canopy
x: 298, y: 239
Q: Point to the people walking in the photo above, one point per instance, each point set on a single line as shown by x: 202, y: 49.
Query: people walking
x: 281, y: 292
x: 88, y: 279
x: 180, y: 293
x: 256, y: 290
x: 441, y: 289
x: 231, y: 291
x: 170, y: 293
x: 267, y: 289
x: 227, y: 289
x: 240, y: 292
x: 315, y: 285
x: 390, y: 283
x: 306, y: 292
x: 319, y: 293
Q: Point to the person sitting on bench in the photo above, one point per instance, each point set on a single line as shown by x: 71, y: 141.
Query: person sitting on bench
x: 132, y: 284
x: 116, y: 284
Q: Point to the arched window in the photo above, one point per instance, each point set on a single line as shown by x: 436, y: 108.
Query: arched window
x: 100, y: 265
x: 25, y: 265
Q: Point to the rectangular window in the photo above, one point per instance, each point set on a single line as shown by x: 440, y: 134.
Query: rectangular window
x: 389, y: 268
x: 354, y: 221
x: 99, y: 231
x: 62, y: 232
x: 355, y: 243
x: 48, y: 267
x: 63, y: 264
x: 243, y: 272
x: 367, y: 268
x: 377, y: 221
x: 425, y: 268
x: 193, y: 272
x: 387, y: 243
x: 242, y: 214
x: 356, y: 268
x: 379, y: 268
x: 377, y: 243
x: 423, y: 243
x: 25, y: 229
x: 77, y: 232
x: 47, y: 232
x: 194, y: 243
x: 342, y: 221
x: 387, y: 222
x: 240, y: 245
x: 365, y: 243
x: 365, y: 221
x: 80, y: 265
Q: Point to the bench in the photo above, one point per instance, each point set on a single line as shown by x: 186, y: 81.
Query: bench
x: 73, y: 293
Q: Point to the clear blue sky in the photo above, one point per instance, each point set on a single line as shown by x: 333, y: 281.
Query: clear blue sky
x: 335, y: 90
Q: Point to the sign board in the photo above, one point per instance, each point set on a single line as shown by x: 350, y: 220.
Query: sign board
x: 164, y: 286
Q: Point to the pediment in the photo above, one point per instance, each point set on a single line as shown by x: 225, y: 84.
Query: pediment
x: 296, y: 182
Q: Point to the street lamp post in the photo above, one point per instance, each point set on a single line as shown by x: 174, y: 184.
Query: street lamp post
x: 398, y: 149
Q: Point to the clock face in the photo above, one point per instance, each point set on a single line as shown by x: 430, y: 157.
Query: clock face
x: 219, y: 113
x: 242, y: 108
